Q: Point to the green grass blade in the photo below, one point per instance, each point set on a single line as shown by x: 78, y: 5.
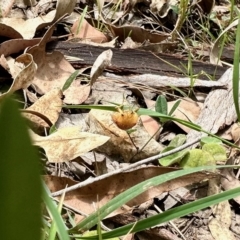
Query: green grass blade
x: 236, y: 71
x: 69, y: 81
x: 20, y: 184
x: 52, y: 208
x: 171, y: 214
x: 129, y: 194
x: 81, y: 19
x: 174, y: 107
x: 53, y: 229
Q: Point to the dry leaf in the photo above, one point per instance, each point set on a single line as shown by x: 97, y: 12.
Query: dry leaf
x: 137, y: 34
x: 49, y: 105
x: 27, y: 28
x: 162, y: 7
x: 16, y: 45
x: 104, y: 190
x: 23, y: 69
x: 187, y: 110
x: 87, y: 32
x: 68, y: 143
x: 9, y: 31
x: 229, y: 181
x: 54, y: 70
x: 101, y: 122
x: 102, y: 61
x: 5, y: 7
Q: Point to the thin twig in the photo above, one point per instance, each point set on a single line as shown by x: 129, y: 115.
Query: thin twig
x: 134, y: 165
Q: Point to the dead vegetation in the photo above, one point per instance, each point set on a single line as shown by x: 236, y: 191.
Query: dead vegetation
x: 149, y: 74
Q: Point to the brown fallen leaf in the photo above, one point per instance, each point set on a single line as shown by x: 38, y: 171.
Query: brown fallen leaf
x: 102, y: 61
x: 49, y: 105
x: 68, y: 143
x: 26, y: 28
x: 9, y: 31
x: 16, y: 45
x: 87, y: 31
x: 137, y: 34
x: 5, y: 6
x: 187, y: 110
x: 54, y: 70
x: 229, y: 181
x: 104, y: 190
x: 23, y: 69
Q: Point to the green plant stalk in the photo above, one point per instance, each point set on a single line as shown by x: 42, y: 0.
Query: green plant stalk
x: 131, y: 193
x: 171, y: 214
x: 236, y: 71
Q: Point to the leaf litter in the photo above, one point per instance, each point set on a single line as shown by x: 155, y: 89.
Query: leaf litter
x: 42, y: 76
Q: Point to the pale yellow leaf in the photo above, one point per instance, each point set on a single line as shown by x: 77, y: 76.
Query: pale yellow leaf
x: 68, y: 143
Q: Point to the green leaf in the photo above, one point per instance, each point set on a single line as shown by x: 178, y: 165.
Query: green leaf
x: 178, y: 141
x: 69, y: 81
x: 217, y: 151
x: 20, y: 184
x: 173, y: 158
x: 196, y: 158
x: 161, y: 105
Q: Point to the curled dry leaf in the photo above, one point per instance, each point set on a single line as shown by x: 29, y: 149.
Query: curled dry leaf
x: 101, y: 122
x: 49, y: 105
x: 68, y: 143
x: 16, y: 45
x: 102, y: 61
x: 104, y: 190
x: 214, y: 54
x: 23, y: 72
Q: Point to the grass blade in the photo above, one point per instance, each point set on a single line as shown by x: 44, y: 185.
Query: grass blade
x: 129, y: 194
x: 236, y: 71
x: 171, y: 214
x: 20, y: 184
